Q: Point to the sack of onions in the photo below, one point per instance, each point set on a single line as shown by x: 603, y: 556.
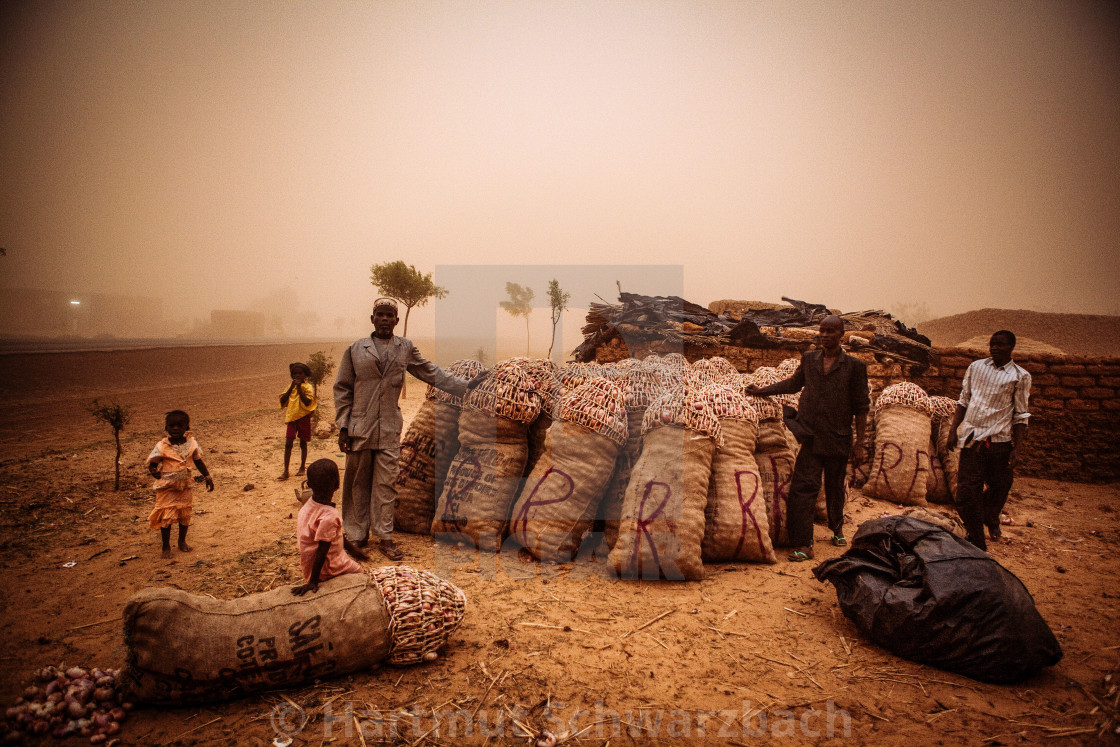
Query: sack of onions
x: 662, y: 521
x: 561, y: 496
x: 735, y: 525
x: 184, y: 648
x: 640, y: 386
x: 900, y: 471
x: 944, y: 462
x: 486, y: 473
x: 431, y: 434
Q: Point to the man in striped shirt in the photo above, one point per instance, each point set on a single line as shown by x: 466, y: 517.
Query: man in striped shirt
x: 989, y: 424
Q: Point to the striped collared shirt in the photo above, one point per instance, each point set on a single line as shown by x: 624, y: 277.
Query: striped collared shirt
x: 994, y: 398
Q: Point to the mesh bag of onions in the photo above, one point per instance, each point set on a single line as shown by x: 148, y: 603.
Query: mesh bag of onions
x: 775, y: 460
x: 944, y: 462
x: 185, y: 648
x: 662, y: 522
x: 902, y: 442
x: 562, y: 493
x: 735, y: 525
x: 542, y: 379
x: 640, y: 386
x: 432, y: 434
x: 486, y: 473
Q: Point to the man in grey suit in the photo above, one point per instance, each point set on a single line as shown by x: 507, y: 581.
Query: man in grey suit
x: 366, y: 396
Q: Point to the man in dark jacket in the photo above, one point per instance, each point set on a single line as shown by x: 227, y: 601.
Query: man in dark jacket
x: 833, y: 388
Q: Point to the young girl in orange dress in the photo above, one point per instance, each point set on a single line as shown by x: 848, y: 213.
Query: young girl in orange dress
x: 170, y: 463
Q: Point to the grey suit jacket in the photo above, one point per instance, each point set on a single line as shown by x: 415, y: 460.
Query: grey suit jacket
x: 366, y: 400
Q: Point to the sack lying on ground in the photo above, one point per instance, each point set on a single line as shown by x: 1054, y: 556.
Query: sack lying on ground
x: 662, y: 522
x: 184, y: 648
x: 902, y: 433
x: 735, y: 525
x: 931, y: 597
x: 486, y: 473
x: 561, y: 495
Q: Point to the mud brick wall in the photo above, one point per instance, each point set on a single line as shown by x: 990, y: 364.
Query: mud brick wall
x: 1074, y: 431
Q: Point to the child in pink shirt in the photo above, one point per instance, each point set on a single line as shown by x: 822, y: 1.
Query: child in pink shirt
x: 322, y: 544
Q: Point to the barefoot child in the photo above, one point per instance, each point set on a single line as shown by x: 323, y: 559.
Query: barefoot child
x: 322, y: 544
x: 169, y: 463
x: 299, y: 399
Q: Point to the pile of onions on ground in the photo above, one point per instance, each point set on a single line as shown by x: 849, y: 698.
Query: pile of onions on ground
x: 65, y: 702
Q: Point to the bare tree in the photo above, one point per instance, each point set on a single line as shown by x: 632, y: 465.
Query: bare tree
x: 520, y: 303
x: 117, y: 416
x: 558, y: 301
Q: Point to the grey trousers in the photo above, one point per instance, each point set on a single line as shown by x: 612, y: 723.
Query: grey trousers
x: 369, y: 493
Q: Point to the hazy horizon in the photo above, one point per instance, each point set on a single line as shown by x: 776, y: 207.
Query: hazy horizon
x: 237, y: 155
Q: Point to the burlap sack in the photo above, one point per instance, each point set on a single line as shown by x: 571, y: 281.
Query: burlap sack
x: 483, y: 480
x: 416, y: 479
x: 610, y: 508
x: 662, y: 521
x: 562, y: 493
x: 938, y: 482
x: 735, y: 524
x: 445, y: 434
x: 184, y: 648
x: 901, y: 466
x: 775, y: 467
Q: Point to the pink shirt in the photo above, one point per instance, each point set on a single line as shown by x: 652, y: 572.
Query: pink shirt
x: 321, y: 522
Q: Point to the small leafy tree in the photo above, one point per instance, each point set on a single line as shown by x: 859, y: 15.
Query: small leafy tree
x: 321, y: 366
x: 480, y: 355
x: 520, y: 303
x: 558, y: 301
x: 405, y: 284
x: 117, y: 416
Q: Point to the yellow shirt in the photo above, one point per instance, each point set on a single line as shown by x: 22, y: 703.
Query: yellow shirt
x: 295, y: 406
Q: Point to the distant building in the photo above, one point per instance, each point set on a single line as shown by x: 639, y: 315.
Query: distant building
x: 43, y: 313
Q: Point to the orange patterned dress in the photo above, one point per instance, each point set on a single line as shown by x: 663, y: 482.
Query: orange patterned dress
x: 174, y: 495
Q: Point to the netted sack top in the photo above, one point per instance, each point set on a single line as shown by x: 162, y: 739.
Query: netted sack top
x: 640, y: 386
x: 787, y: 367
x: 574, y: 374
x: 685, y: 406
x: 767, y: 375
x: 599, y: 406
x: 424, y: 610
x: 942, y: 408
x: 728, y: 403
x: 764, y: 407
x: 542, y: 378
x: 720, y: 365
x: 464, y: 368
x: 618, y: 369
x: 506, y: 392
x: 675, y: 360
x: 700, y: 376
x: 904, y: 394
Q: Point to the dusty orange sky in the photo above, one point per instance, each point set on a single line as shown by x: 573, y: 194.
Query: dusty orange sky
x: 858, y: 154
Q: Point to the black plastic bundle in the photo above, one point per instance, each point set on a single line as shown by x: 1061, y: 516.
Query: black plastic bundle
x: 931, y: 597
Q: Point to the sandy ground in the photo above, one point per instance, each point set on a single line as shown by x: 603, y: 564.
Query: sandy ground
x: 564, y: 648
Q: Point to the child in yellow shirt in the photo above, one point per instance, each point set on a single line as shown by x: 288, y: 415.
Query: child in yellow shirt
x: 299, y: 401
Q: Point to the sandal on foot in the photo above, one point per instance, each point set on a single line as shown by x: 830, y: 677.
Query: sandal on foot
x: 798, y: 556
x: 389, y: 549
x: 839, y: 541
